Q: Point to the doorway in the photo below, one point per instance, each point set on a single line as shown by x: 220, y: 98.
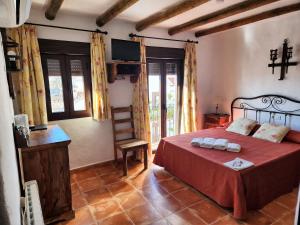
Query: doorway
x: 164, y: 88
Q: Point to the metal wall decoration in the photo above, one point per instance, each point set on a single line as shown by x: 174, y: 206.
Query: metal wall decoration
x: 287, y: 54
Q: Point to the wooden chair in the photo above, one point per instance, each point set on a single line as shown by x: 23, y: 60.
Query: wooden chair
x: 129, y: 144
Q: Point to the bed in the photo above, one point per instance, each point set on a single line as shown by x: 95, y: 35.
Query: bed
x: 276, y: 169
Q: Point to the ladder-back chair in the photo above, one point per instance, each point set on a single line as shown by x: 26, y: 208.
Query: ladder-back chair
x: 128, y: 144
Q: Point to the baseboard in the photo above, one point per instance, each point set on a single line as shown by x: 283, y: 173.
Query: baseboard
x: 91, y: 165
x: 119, y: 160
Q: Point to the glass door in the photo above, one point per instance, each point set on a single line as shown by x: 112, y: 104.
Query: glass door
x: 164, y: 81
x: 172, y: 99
x: 154, y: 89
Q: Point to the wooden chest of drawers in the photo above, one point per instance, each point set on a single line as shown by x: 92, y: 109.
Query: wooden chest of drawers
x: 215, y: 120
x: 46, y: 160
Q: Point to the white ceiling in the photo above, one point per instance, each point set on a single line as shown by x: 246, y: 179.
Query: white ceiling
x: 145, y: 8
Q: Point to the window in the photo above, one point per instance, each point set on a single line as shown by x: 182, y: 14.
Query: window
x: 67, y: 84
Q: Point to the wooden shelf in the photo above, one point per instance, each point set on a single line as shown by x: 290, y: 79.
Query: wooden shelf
x: 123, y: 68
x: 215, y: 120
x: 125, y: 62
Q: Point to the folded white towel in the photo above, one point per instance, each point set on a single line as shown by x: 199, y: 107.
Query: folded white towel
x: 238, y: 164
x: 233, y: 147
x: 196, y: 142
x: 220, y: 144
x: 208, y: 143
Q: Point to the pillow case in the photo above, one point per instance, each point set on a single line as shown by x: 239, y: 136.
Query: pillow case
x: 271, y: 132
x: 242, y: 126
x: 293, y: 136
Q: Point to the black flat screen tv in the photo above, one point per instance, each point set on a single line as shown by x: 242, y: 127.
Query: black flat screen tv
x: 125, y: 50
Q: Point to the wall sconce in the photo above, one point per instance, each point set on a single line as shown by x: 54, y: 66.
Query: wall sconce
x: 287, y: 54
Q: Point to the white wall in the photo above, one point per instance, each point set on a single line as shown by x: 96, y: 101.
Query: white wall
x: 235, y: 61
x: 8, y: 163
x: 92, y: 142
x: 230, y: 64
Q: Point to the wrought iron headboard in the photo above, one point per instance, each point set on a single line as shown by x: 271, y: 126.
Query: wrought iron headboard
x: 269, y: 104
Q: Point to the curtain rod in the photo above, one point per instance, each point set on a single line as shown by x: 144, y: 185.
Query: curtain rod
x: 159, y: 38
x: 68, y: 28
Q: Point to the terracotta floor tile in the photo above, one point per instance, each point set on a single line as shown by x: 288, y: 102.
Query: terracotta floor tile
x: 131, y: 200
x: 120, y: 219
x: 106, y: 209
x: 134, y: 167
x: 90, y: 184
x: 121, y: 187
x: 275, y: 210
x: 208, y: 211
x: 97, y: 195
x: 280, y: 222
x: 83, y: 216
x: 135, y: 170
x: 153, y: 192
x: 112, y: 178
x: 227, y: 220
x: 295, y: 191
x: 84, y: 174
x: 187, y: 197
x: 160, y: 222
x: 165, y: 206
x: 258, y: 218
x: 161, y: 174
x: 75, y: 189
x: 78, y: 201
x: 289, y: 218
x: 171, y: 185
x: 142, y: 180
x: 72, y: 178
x: 143, y: 214
x: 185, y: 217
x: 106, y: 169
x: 288, y: 200
x: 155, y: 197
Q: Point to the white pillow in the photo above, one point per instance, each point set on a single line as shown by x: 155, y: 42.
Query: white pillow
x: 242, y: 126
x: 271, y: 132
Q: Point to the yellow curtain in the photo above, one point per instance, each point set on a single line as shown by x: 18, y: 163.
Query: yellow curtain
x: 101, y: 104
x: 140, y: 101
x: 189, y: 95
x: 29, y: 83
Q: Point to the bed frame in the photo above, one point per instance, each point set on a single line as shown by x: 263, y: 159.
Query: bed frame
x: 269, y: 105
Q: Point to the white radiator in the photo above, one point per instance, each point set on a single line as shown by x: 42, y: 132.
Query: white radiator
x: 32, y: 211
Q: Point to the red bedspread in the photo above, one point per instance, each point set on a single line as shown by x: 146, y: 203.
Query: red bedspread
x: 276, y: 170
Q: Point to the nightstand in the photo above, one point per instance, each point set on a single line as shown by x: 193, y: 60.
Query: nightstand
x: 215, y: 120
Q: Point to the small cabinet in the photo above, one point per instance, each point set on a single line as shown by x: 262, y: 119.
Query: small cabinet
x: 46, y: 160
x: 115, y: 69
x: 212, y: 120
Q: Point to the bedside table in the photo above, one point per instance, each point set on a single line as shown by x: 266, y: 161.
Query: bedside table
x: 212, y: 120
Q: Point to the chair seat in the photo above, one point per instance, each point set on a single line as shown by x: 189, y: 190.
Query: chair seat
x: 131, y: 143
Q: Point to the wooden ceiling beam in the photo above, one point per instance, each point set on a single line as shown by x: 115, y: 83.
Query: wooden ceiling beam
x: 168, y: 13
x: 52, y: 9
x: 221, y: 14
x: 113, y: 11
x: 250, y: 19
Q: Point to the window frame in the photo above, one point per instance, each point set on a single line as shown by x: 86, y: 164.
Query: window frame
x: 65, y: 52
x: 162, y: 56
x: 163, y: 91
x: 87, y: 87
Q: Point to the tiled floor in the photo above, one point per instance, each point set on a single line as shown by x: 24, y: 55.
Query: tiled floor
x: 101, y: 195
